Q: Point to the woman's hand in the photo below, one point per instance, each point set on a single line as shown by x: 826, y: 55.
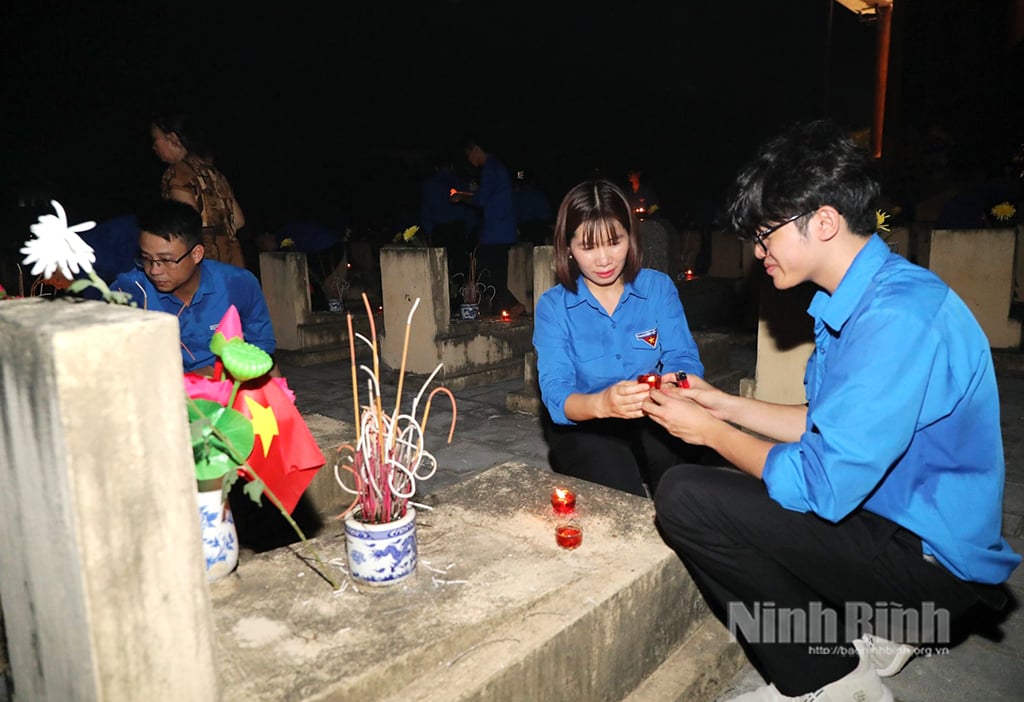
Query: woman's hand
x: 624, y: 400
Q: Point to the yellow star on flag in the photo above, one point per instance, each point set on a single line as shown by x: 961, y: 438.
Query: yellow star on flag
x: 264, y: 423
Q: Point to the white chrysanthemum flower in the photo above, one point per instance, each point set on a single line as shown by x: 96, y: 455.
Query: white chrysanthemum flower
x: 56, y: 245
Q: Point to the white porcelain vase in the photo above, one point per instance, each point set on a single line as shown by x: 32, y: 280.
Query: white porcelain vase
x: 470, y: 311
x: 220, y: 539
x: 381, y: 554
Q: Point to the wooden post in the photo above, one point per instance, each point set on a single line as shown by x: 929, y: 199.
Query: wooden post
x: 884, y: 12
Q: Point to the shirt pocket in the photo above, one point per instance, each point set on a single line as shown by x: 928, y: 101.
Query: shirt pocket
x: 639, y: 345
x: 589, y: 346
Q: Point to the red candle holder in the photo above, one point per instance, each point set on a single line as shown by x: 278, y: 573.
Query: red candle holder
x: 652, y: 379
x: 505, y: 316
x: 563, y: 501
x: 569, y: 536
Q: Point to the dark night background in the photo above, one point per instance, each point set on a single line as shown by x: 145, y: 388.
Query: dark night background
x: 329, y: 112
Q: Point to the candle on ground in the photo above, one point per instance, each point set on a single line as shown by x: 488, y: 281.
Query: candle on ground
x: 563, y: 501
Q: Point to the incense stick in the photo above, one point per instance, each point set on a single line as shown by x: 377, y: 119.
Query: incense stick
x: 355, y: 382
x: 376, y: 372
x: 405, y: 353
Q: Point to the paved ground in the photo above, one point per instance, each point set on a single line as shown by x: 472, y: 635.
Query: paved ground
x: 988, y: 665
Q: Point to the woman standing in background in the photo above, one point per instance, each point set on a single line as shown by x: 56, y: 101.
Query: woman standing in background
x: 192, y: 178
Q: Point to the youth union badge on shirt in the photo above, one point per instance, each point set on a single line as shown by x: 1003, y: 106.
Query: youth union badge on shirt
x: 649, y: 337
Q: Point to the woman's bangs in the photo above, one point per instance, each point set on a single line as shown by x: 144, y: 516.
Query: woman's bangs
x: 599, y: 231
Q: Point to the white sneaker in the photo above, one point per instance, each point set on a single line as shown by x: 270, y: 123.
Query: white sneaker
x: 887, y: 657
x: 861, y: 685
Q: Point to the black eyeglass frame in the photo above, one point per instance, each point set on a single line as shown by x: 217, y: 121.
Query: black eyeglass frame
x: 141, y: 262
x: 759, y: 237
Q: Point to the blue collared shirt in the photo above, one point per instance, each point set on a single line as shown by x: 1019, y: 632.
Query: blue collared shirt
x: 581, y: 349
x: 494, y: 197
x: 903, y: 416
x: 220, y: 286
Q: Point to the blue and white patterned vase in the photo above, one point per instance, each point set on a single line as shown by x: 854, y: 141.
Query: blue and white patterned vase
x: 381, y: 554
x: 220, y: 539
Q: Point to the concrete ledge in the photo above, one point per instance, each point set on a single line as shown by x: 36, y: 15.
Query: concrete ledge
x: 698, y: 670
x: 324, y: 339
x: 496, y: 611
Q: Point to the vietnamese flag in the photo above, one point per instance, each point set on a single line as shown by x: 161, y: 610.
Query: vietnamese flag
x: 284, y: 455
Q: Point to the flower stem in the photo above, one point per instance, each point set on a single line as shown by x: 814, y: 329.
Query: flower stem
x: 100, y: 285
x: 234, y: 393
x: 288, y: 518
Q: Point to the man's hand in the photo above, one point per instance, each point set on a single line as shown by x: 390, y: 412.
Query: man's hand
x: 704, y: 394
x: 699, y: 416
x: 681, y: 415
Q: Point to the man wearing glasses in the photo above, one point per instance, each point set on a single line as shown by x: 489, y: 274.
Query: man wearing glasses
x: 871, y: 519
x: 172, y: 276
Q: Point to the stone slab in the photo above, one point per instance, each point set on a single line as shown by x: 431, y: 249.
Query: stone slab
x: 495, y: 611
x: 699, y: 668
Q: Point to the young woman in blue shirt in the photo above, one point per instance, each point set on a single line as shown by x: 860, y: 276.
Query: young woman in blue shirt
x: 607, y: 322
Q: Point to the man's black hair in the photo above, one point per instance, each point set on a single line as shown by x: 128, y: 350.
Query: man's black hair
x: 809, y: 166
x: 170, y: 219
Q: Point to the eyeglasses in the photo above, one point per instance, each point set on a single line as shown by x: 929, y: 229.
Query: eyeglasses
x: 759, y: 237
x: 144, y: 262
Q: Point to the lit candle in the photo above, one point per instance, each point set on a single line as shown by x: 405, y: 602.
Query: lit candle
x: 652, y: 379
x: 563, y: 501
x: 505, y: 316
x: 568, y: 536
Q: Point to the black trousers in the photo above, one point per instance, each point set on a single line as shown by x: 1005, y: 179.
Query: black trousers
x: 454, y: 238
x: 625, y: 454
x: 750, y: 556
x: 493, y: 258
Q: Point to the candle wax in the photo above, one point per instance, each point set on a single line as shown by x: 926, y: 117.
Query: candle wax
x: 568, y: 536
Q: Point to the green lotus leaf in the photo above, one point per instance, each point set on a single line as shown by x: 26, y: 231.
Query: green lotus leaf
x: 222, y: 438
x: 244, y: 361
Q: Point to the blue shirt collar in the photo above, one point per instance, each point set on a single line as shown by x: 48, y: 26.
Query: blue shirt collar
x: 583, y: 294
x: 836, y: 308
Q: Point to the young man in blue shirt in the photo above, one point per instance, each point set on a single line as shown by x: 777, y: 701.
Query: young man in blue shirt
x: 172, y: 276
x: 497, y: 229
x: 873, y: 513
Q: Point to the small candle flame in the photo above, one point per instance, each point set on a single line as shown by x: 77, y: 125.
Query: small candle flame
x: 563, y: 501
